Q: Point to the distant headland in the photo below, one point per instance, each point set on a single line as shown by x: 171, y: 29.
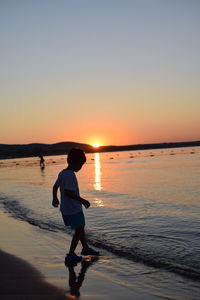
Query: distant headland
x: 36, y: 149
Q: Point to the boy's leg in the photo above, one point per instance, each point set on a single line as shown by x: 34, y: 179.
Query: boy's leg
x: 86, y: 250
x: 83, y: 239
x: 79, y: 235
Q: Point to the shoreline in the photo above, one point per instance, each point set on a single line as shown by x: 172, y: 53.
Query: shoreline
x: 33, y: 268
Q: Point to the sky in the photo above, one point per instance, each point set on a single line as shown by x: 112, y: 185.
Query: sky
x: 112, y: 72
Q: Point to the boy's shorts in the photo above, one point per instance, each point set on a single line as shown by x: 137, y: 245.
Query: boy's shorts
x: 74, y: 221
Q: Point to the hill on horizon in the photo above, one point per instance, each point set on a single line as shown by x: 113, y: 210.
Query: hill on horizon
x: 36, y: 149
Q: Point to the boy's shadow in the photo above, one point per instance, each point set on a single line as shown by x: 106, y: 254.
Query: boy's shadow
x: 75, y: 282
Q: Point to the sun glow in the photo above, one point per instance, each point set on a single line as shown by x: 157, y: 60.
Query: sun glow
x: 96, y: 145
x: 96, y: 141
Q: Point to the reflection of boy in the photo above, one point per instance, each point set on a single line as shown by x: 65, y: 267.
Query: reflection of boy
x: 71, y: 203
x: 75, y: 282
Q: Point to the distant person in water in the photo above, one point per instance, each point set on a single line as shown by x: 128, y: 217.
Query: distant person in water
x: 41, y: 161
x: 71, y: 204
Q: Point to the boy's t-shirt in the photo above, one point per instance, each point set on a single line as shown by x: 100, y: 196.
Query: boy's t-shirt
x: 67, y: 181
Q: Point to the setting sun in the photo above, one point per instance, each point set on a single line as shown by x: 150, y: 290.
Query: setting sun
x: 96, y: 142
x: 95, y: 145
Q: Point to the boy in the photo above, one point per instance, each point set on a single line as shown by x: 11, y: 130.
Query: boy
x: 71, y: 203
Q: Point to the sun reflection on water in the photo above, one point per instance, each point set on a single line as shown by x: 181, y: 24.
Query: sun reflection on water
x: 98, y: 202
x: 97, y: 172
x: 97, y: 178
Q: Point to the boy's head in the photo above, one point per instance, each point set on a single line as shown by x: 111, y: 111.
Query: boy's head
x: 76, y: 158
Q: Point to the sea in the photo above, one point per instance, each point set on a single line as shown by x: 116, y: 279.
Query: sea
x: 144, y: 216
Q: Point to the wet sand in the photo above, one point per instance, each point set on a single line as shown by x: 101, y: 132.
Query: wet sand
x: 32, y: 267
x: 20, y: 280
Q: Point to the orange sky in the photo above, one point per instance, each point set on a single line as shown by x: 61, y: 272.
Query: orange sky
x: 105, y: 73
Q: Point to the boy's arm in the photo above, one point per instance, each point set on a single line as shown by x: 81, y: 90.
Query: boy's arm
x: 74, y: 196
x: 55, y: 201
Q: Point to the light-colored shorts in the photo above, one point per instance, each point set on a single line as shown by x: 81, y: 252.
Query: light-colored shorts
x: 74, y: 221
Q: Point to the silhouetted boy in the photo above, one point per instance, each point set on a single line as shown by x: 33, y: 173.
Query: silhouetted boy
x: 71, y: 203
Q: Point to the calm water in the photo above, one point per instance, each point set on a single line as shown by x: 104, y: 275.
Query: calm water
x: 145, y: 208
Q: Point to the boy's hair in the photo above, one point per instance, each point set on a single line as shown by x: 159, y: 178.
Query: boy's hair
x: 76, y: 155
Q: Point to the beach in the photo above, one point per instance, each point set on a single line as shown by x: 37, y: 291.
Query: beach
x: 144, y: 220
x: 32, y: 269
x: 120, y: 81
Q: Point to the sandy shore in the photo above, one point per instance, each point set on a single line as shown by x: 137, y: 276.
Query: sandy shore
x: 33, y: 268
x: 20, y: 280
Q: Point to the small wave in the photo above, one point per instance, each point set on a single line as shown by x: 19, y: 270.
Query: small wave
x: 25, y: 214
x: 135, y: 254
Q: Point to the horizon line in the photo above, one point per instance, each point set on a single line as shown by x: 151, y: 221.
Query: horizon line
x: 111, y: 145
